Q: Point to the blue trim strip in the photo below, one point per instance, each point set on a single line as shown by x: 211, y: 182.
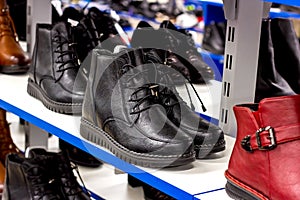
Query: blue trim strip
x: 100, y: 153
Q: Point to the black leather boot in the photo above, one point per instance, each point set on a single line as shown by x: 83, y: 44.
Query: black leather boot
x: 187, y: 52
x: 120, y: 113
x: 28, y: 178
x: 208, y: 138
x: 145, y: 36
x: 85, y: 33
x: 214, y: 38
x: 182, y: 53
x: 286, y: 51
x: 54, y: 69
x: 60, y: 170
x: 269, y: 82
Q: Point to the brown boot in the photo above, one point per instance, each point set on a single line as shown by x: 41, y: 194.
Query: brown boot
x: 12, y: 57
x: 6, y: 143
x: 2, y: 176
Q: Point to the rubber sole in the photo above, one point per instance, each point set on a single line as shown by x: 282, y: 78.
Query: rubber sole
x: 203, y: 151
x: 65, y: 108
x: 100, y: 137
x: 240, y: 191
x: 14, y: 69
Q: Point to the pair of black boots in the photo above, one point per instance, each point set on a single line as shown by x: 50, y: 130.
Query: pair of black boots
x: 43, y: 175
x: 132, y: 108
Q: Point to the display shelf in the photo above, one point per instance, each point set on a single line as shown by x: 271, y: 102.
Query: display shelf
x: 180, y: 182
x: 213, y: 9
x: 286, y: 2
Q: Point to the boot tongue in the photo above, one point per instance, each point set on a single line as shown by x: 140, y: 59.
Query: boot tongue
x: 280, y: 111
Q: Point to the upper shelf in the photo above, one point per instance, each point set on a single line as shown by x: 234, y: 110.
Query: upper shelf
x: 286, y: 2
x: 185, y: 182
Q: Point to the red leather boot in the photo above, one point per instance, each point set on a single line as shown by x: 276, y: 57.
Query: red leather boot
x: 265, y: 162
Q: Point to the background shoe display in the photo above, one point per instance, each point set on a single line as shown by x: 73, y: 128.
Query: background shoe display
x: 265, y: 157
x: 7, y: 144
x: 13, y: 59
x: 79, y: 156
x: 269, y: 82
x: 286, y: 51
x: 54, y: 69
x: 214, y: 38
x: 17, y: 10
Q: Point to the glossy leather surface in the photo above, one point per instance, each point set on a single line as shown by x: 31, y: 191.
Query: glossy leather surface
x: 60, y: 170
x: 55, y: 66
x: 27, y: 179
x: 120, y: 103
x: 273, y: 173
x: 12, y: 57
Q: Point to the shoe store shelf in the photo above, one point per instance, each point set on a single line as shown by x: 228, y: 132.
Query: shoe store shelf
x: 200, y: 178
x: 287, y: 2
x: 213, y: 9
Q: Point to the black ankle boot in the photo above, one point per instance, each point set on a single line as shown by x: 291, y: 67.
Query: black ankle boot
x: 120, y: 113
x: 28, y: 178
x: 269, y: 82
x: 60, y: 169
x: 54, y: 69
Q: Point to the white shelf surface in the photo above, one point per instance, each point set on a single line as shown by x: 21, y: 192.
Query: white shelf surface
x: 201, y: 176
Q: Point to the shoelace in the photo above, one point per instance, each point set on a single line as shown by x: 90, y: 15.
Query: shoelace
x: 70, y: 184
x: 70, y: 52
x: 168, y: 83
x: 8, y: 28
x: 36, y: 175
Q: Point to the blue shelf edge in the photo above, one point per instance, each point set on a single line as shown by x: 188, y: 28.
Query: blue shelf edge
x: 100, y: 154
x: 286, y: 2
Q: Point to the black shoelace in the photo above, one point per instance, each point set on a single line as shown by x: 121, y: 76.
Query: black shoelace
x: 69, y: 53
x: 39, y: 182
x: 169, y: 90
x: 69, y: 183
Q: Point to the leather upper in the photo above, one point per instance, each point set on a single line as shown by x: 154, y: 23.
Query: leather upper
x: 11, y: 53
x: 55, y: 64
x: 7, y: 145
x: 120, y: 101
x: 274, y: 172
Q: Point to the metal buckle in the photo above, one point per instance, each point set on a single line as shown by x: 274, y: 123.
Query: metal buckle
x: 271, y: 137
x: 246, y: 143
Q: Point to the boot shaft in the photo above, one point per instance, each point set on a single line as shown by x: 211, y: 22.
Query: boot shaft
x: 3, y: 4
x: 269, y: 82
x: 266, y: 153
x: 54, y: 54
